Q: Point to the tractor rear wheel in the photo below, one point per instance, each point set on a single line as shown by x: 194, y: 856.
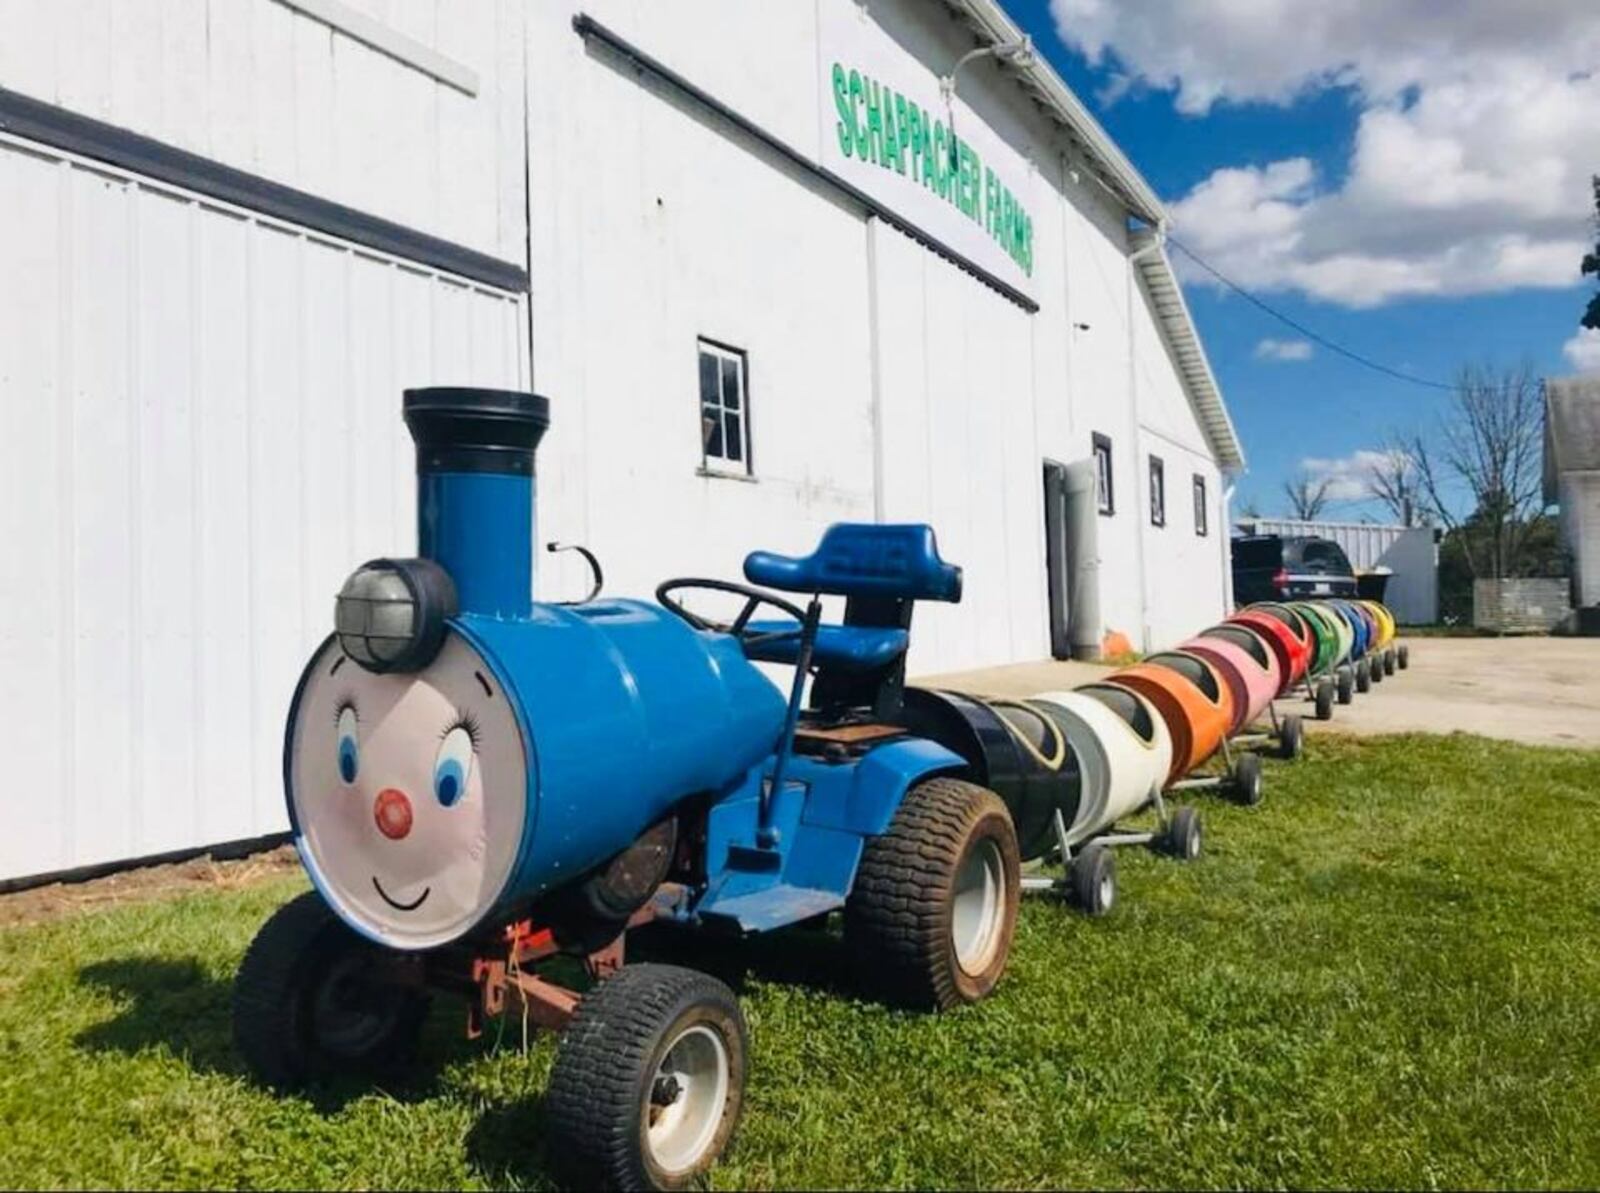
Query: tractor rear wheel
x: 313, y: 999
x: 930, y: 919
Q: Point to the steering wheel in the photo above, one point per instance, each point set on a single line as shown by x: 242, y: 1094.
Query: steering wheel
x: 738, y: 627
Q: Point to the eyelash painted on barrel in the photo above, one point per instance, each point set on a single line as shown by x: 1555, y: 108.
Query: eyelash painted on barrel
x: 464, y: 719
x: 349, y: 702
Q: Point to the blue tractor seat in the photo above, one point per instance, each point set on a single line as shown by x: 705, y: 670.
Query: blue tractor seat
x: 852, y: 648
x: 882, y: 572
x: 857, y: 559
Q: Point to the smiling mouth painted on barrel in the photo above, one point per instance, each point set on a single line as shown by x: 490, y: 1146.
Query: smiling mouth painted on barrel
x: 398, y: 906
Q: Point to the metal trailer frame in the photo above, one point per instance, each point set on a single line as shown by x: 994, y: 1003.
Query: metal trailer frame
x: 1090, y: 878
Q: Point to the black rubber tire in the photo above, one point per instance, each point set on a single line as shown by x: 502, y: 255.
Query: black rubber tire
x: 598, y: 1102
x: 1388, y: 661
x: 1183, y: 837
x: 1375, y: 668
x: 1346, y: 685
x: 1246, y: 780
x: 1094, y: 880
x: 1403, y: 657
x: 897, y: 919
x: 1291, y: 737
x: 1324, y: 699
x: 1363, y: 677
x: 285, y: 990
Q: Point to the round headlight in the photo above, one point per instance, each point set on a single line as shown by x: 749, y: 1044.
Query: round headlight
x: 390, y: 614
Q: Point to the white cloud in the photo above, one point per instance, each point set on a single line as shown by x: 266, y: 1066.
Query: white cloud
x: 1473, y: 147
x: 1270, y: 349
x: 1348, y: 477
x: 1583, y: 350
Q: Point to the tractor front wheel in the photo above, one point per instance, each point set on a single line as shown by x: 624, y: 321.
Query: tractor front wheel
x: 648, y: 1081
x: 313, y: 999
x: 930, y: 919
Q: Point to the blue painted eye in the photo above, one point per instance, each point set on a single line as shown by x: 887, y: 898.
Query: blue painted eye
x: 349, y: 748
x: 453, y: 766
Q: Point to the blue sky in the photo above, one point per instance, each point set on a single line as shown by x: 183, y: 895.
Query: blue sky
x: 1419, y: 189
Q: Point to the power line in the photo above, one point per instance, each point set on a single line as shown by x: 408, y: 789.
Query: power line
x: 1330, y: 345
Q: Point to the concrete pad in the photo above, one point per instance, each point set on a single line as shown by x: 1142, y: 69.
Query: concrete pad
x: 1541, y: 691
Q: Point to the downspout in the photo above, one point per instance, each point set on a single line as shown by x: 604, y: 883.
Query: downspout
x: 1141, y: 476
x: 1225, y: 534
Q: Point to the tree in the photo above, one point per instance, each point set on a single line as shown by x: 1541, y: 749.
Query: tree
x: 1490, y: 444
x: 1307, y: 496
x: 1591, y: 262
x: 1393, y: 480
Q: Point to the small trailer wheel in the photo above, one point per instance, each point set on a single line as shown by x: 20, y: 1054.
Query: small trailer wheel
x: 1094, y: 880
x: 1324, y: 699
x: 1388, y: 661
x: 1182, y: 838
x: 1363, y: 677
x: 1292, y: 738
x: 1403, y: 657
x: 1347, y: 684
x: 309, y: 1000
x: 648, y: 1081
x: 930, y: 919
x: 1375, y: 668
x: 1247, y: 779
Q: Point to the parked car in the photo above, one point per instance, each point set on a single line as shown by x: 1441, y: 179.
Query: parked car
x: 1275, y: 567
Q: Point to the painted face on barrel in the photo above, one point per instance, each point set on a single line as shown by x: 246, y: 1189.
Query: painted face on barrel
x: 409, y: 792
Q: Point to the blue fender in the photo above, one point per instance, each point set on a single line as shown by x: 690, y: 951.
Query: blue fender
x: 826, y: 814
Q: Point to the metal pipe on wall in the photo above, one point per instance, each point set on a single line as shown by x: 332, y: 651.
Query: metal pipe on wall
x: 1084, y: 630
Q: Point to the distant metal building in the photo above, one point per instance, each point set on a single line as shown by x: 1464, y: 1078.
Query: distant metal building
x: 1410, y: 553
x: 1572, y: 476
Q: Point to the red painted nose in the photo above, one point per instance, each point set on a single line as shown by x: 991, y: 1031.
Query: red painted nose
x: 392, y: 811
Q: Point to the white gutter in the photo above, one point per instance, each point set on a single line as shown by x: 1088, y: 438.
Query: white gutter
x: 1172, y: 312
x: 990, y: 22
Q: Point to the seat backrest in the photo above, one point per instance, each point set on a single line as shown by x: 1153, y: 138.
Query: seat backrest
x: 882, y: 571
x: 856, y: 559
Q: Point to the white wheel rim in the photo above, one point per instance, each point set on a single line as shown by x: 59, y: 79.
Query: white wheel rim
x: 978, y: 907
x: 1108, y: 891
x: 680, y: 1132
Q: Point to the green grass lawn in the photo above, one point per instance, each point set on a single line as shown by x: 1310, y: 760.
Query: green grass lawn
x: 1387, y: 974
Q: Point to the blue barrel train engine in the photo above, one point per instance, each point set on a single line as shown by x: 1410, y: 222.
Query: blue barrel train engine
x: 479, y: 784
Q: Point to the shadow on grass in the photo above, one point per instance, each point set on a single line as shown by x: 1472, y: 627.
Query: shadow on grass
x: 507, y: 1146
x: 174, y: 1005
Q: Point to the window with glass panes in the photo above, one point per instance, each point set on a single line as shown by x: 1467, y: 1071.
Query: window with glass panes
x: 724, y: 409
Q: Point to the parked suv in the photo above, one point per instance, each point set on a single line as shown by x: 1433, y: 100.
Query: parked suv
x: 1274, y: 567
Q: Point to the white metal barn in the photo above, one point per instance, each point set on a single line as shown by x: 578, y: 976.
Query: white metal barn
x: 769, y: 274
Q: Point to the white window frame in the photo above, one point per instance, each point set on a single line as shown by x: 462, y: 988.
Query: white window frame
x: 720, y: 409
x: 1202, y: 508
x: 1158, y: 491
x: 1105, y: 486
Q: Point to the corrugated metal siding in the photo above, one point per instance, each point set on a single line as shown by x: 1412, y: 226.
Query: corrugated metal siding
x: 199, y: 437
x: 266, y: 89
x: 1412, y: 554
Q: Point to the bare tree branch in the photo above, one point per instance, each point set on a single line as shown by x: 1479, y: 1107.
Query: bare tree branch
x: 1393, y: 480
x: 1491, y: 445
x: 1307, y: 496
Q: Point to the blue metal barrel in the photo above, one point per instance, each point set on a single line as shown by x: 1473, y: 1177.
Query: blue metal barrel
x: 625, y: 710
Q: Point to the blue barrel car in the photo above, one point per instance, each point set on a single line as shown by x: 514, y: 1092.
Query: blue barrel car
x: 479, y: 784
